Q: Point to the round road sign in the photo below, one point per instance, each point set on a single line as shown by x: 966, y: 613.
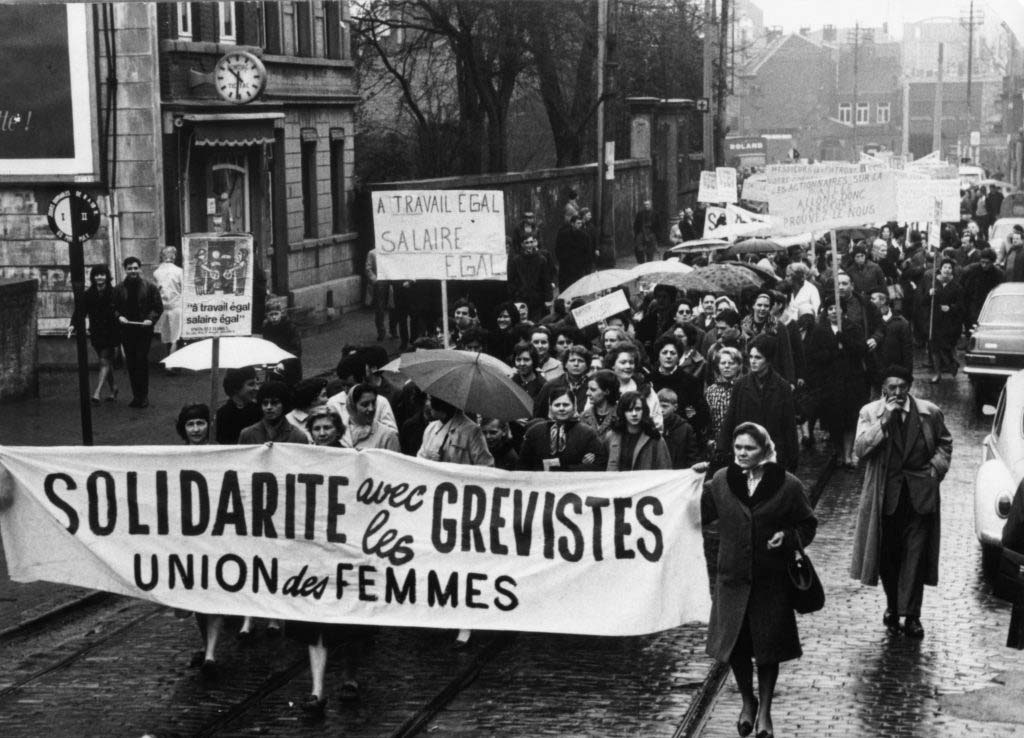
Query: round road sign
x: 73, y: 216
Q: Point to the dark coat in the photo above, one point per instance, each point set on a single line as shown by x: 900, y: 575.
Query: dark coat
x: 575, y: 255
x: 948, y: 324
x: 752, y: 581
x: 690, y: 393
x: 770, y: 405
x: 897, y: 347
x: 681, y: 441
x: 530, y: 277
x: 98, y: 307
x: 836, y: 365
x: 977, y: 283
x: 543, y: 397
x: 138, y: 302
x: 580, y: 440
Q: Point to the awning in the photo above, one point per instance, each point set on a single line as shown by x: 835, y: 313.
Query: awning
x: 234, y: 133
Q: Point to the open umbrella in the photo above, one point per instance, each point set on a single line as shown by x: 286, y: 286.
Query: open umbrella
x: 652, y: 271
x: 235, y: 352
x: 467, y: 380
x: 395, y: 365
x: 730, y: 278
x: 698, y: 245
x: 591, y: 284
x: 768, y: 276
x: 755, y: 246
x: 689, y: 282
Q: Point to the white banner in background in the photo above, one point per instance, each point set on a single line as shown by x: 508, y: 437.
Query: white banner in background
x: 602, y: 307
x: 915, y: 199
x: 833, y: 202
x: 440, y: 234
x: 340, y: 536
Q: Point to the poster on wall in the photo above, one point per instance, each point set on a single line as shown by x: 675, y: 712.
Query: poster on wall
x: 217, y: 294
x: 47, y: 111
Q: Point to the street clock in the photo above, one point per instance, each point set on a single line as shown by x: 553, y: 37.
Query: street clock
x: 239, y: 77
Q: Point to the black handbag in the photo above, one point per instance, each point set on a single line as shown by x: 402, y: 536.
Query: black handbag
x: 806, y: 592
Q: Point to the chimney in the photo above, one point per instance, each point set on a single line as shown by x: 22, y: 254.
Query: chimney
x: 805, y: 30
x: 828, y: 33
x: 773, y: 33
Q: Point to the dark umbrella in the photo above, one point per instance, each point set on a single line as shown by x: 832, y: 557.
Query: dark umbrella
x: 754, y: 246
x: 731, y: 278
x: 471, y: 382
x: 692, y: 282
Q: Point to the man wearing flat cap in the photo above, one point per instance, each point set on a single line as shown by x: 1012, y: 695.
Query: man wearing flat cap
x: 907, y: 447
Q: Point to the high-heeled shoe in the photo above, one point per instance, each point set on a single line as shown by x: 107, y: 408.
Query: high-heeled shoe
x: 766, y: 732
x: 745, y: 725
x: 113, y: 395
x: 95, y: 400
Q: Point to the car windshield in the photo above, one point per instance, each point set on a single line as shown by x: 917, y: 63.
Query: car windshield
x: 1003, y: 310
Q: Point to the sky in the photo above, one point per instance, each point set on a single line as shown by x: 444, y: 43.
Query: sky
x: 792, y: 14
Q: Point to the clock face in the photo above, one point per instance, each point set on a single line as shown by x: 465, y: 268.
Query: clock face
x: 239, y: 77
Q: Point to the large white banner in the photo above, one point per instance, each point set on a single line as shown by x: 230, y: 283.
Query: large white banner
x: 217, y: 289
x: 916, y: 198
x: 834, y: 201
x: 440, y: 234
x: 340, y: 536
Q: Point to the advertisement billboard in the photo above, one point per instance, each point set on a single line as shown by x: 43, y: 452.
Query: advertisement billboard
x: 47, y: 94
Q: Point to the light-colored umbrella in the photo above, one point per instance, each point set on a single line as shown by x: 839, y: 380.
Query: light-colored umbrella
x: 235, y: 352
x: 467, y: 380
x: 395, y: 365
x: 595, y: 282
x: 651, y: 271
x: 699, y: 244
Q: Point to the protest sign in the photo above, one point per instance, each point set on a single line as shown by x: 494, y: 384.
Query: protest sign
x: 708, y: 190
x: 714, y: 219
x: 217, y: 289
x: 915, y: 199
x: 340, y: 536
x: 755, y: 188
x: 440, y: 234
x: 836, y: 201
x: 726, y: 184
x: 600, y: 308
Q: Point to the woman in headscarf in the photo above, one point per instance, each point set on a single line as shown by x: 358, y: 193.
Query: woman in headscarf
x: 763, y: 515
x: 364, y: 429
x: 602, y: 396
x: 633, y: 442
x: 562, y: 443
x: 104, y: 334
x: 325, y: 427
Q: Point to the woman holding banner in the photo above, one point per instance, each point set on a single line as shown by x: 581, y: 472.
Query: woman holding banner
x: 562, y: 443
x: 325, y: 427
x: 763, y: 515
x: 193, y: 427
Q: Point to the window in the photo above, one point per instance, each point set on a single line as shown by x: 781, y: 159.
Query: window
x: 333, y: 30
x: 883, y: 113
x: 863, y: 113
x: 185, y: 21
x: 845, y: 113
x: 309, y: 210
x: 338, y: 180
x: 227, y: 27
x: 303, y: 29
x: 272, y: 26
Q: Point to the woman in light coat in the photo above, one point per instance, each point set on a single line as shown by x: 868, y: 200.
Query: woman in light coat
x: 634, y: 443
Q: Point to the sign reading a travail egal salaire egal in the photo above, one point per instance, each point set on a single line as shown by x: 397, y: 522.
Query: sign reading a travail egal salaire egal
x: 341, y: 536
x: 440, y: 234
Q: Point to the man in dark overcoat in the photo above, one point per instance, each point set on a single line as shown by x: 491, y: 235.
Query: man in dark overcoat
x: 897, y: 344
x: 907, y: 449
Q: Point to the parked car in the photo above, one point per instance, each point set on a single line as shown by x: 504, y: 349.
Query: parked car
x: 971, y: 175
x: 996, y: 347
x: 1001, y: 470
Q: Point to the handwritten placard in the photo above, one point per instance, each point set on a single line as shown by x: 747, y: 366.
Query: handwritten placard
x: 440, y: 234
x: 726, y: 181
x: 837, y: 201
x: 599, y: 309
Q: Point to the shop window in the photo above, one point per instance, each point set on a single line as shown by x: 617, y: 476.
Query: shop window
x: 309, y: 194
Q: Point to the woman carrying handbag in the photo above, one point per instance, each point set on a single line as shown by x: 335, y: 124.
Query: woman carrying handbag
x: 763, y: 515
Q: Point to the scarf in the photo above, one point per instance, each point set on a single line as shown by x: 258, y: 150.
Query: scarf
x: 558, y: 428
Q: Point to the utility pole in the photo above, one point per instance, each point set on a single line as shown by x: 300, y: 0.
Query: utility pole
x: 973, y: 19
x: 708, y: 92
x: 937, y: 112
x: 604, y: 193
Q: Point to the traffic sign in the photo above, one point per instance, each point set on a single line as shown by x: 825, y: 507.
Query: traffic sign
x: 73, y: 216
